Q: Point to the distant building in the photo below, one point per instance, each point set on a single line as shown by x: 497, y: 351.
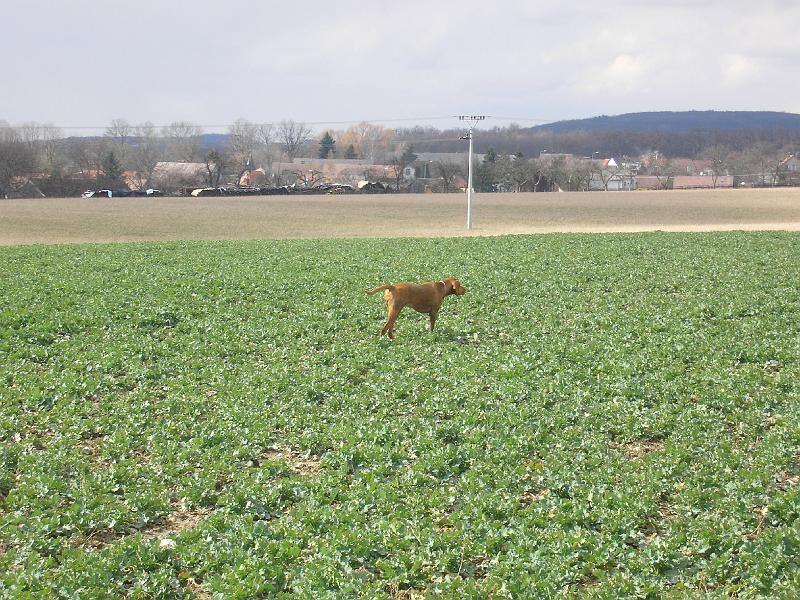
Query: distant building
x: 551, y: 156
x: 172, y: 175
x: 254, y: 178
x: 791, y: 164
x: 608, y: 163
x: 425, y: 165
x: 333, y: 170
x: 682, y: 182
x: 620, y: 181
x: 788, y: 171
x: 689, y: 166
x: 698, y: 182
x: 23, y: 187
x: 133, y: 180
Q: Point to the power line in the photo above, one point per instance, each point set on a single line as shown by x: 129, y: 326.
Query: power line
x: 225, y: 125
x: 529, y: 119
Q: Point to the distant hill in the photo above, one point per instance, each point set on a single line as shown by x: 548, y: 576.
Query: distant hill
x: 214, y: 140
x: 678, y: 122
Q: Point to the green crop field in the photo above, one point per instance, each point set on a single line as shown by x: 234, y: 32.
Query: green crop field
x: 602, y: 416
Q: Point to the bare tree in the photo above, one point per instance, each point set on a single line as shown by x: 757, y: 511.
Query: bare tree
x: 556, y: 172
x: 183, y: 139
x: 293, y: 136
x: 243, y: 140
x: 523, y: 174
x: 778, y: 167
x: 503, y: 166
x: 757, y: 160
x: 399, y: 162
x: 308, y: 178
x: 448, y: 172
x: 119, y: 132
x: 80, y: 157
x: 265, y: 137
x: 664, y: 171
x: 217, y: 164
x: 52, y: 138
x: 717, y: 155
x: 42, y: 140
x: 30, y: 134
x: 581, y: 172
x: 144, y: 153
x: 606, y: 173
x: 396, y: 168
x: 17, y: 159
x: 370, y: 141
x: 265, y: 133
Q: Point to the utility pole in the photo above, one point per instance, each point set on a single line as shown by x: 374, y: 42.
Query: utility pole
x: 473, y: 121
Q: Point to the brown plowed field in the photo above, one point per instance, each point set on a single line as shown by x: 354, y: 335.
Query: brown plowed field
x: 78, y: 220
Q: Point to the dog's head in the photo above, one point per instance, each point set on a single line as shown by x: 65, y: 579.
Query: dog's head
x: 455, y: 286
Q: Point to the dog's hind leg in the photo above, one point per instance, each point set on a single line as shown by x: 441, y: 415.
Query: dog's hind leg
x: 389, y: 327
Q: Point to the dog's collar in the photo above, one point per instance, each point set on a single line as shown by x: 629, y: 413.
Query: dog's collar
x: 445, y: 285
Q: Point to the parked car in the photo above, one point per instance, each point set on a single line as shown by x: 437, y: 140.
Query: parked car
x: 97, y: 194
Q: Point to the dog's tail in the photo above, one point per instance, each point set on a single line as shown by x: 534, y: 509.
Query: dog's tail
x: 378, y: 289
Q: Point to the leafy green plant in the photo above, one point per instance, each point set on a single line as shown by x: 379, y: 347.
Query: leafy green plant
x: 599, y: 416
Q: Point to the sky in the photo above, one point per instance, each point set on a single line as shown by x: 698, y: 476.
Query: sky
x: 80, y: 64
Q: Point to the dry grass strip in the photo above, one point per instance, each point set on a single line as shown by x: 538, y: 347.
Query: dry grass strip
x: 94, y: 220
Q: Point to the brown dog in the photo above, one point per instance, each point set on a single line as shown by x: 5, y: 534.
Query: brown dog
x: 422, y: 297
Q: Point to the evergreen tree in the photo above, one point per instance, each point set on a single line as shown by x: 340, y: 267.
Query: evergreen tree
x: 490, y: 156
x: 112, y: 168
x: 408, y: 156
x: 327, y: 145
x: 350, y: 152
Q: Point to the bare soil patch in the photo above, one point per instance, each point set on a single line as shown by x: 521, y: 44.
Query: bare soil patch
x: 97, y: 220
x: 180, y: 520
x: 529, y: 497
x: 637, y: 449
x: 299, y: 463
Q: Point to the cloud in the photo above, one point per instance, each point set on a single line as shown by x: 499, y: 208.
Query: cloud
x: 738, y: 69
x: 353, y: 60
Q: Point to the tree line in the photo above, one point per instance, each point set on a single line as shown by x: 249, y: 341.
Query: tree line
x: 126, y: 153
x: 534, y: 141
x: 64, y: 166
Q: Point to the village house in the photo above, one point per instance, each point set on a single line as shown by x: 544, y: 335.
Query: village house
x: 172, y: 175
x: 790, y: 164
x: 682, y: 182
x: 311, y: 171
x: 616, y: 181
x: 22, y: 187
x: 424, y: 167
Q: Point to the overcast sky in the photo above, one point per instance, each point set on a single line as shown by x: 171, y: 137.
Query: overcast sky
x: 84, y: 63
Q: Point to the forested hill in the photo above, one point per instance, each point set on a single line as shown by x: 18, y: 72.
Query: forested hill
x: 679, y: 122
x: 685, y: 134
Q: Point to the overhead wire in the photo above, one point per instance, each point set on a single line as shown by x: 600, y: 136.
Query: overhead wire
x: 215, y: 126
